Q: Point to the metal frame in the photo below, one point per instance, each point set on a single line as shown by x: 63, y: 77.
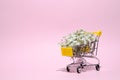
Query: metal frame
x: 92, y: 54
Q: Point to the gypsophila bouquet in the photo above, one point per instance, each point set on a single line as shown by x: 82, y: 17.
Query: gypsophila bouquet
x: 78, y: 37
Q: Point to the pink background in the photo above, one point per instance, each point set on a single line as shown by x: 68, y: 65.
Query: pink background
x: 31, y: 29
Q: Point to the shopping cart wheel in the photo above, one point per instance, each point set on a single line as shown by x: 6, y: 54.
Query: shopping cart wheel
x: 78, y: 69
x: 82, y: 66
x: 67, y: 68
x: 97, y: 67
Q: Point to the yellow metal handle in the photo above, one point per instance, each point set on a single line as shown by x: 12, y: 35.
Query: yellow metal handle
x: 98, y: 33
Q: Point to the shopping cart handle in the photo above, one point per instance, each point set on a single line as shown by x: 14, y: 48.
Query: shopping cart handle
x: 98, y: 33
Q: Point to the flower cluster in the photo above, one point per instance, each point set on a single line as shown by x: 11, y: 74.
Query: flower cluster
x: 77, y: 38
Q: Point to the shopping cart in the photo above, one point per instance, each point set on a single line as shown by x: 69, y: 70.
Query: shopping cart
x: 83, y: 51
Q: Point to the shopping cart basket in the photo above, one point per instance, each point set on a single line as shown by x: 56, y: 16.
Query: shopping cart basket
x: 83, y: 51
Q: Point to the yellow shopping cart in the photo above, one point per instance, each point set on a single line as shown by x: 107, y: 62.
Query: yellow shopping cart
x: 89, y: 51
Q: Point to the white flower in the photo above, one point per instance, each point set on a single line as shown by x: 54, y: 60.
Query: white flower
x: 77, y: 38
x: 78, y: 43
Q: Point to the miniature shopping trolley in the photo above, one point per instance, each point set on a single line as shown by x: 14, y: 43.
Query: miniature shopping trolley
x: 83, y: 51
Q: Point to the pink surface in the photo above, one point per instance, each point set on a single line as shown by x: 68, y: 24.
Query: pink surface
x: 31, y: 29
